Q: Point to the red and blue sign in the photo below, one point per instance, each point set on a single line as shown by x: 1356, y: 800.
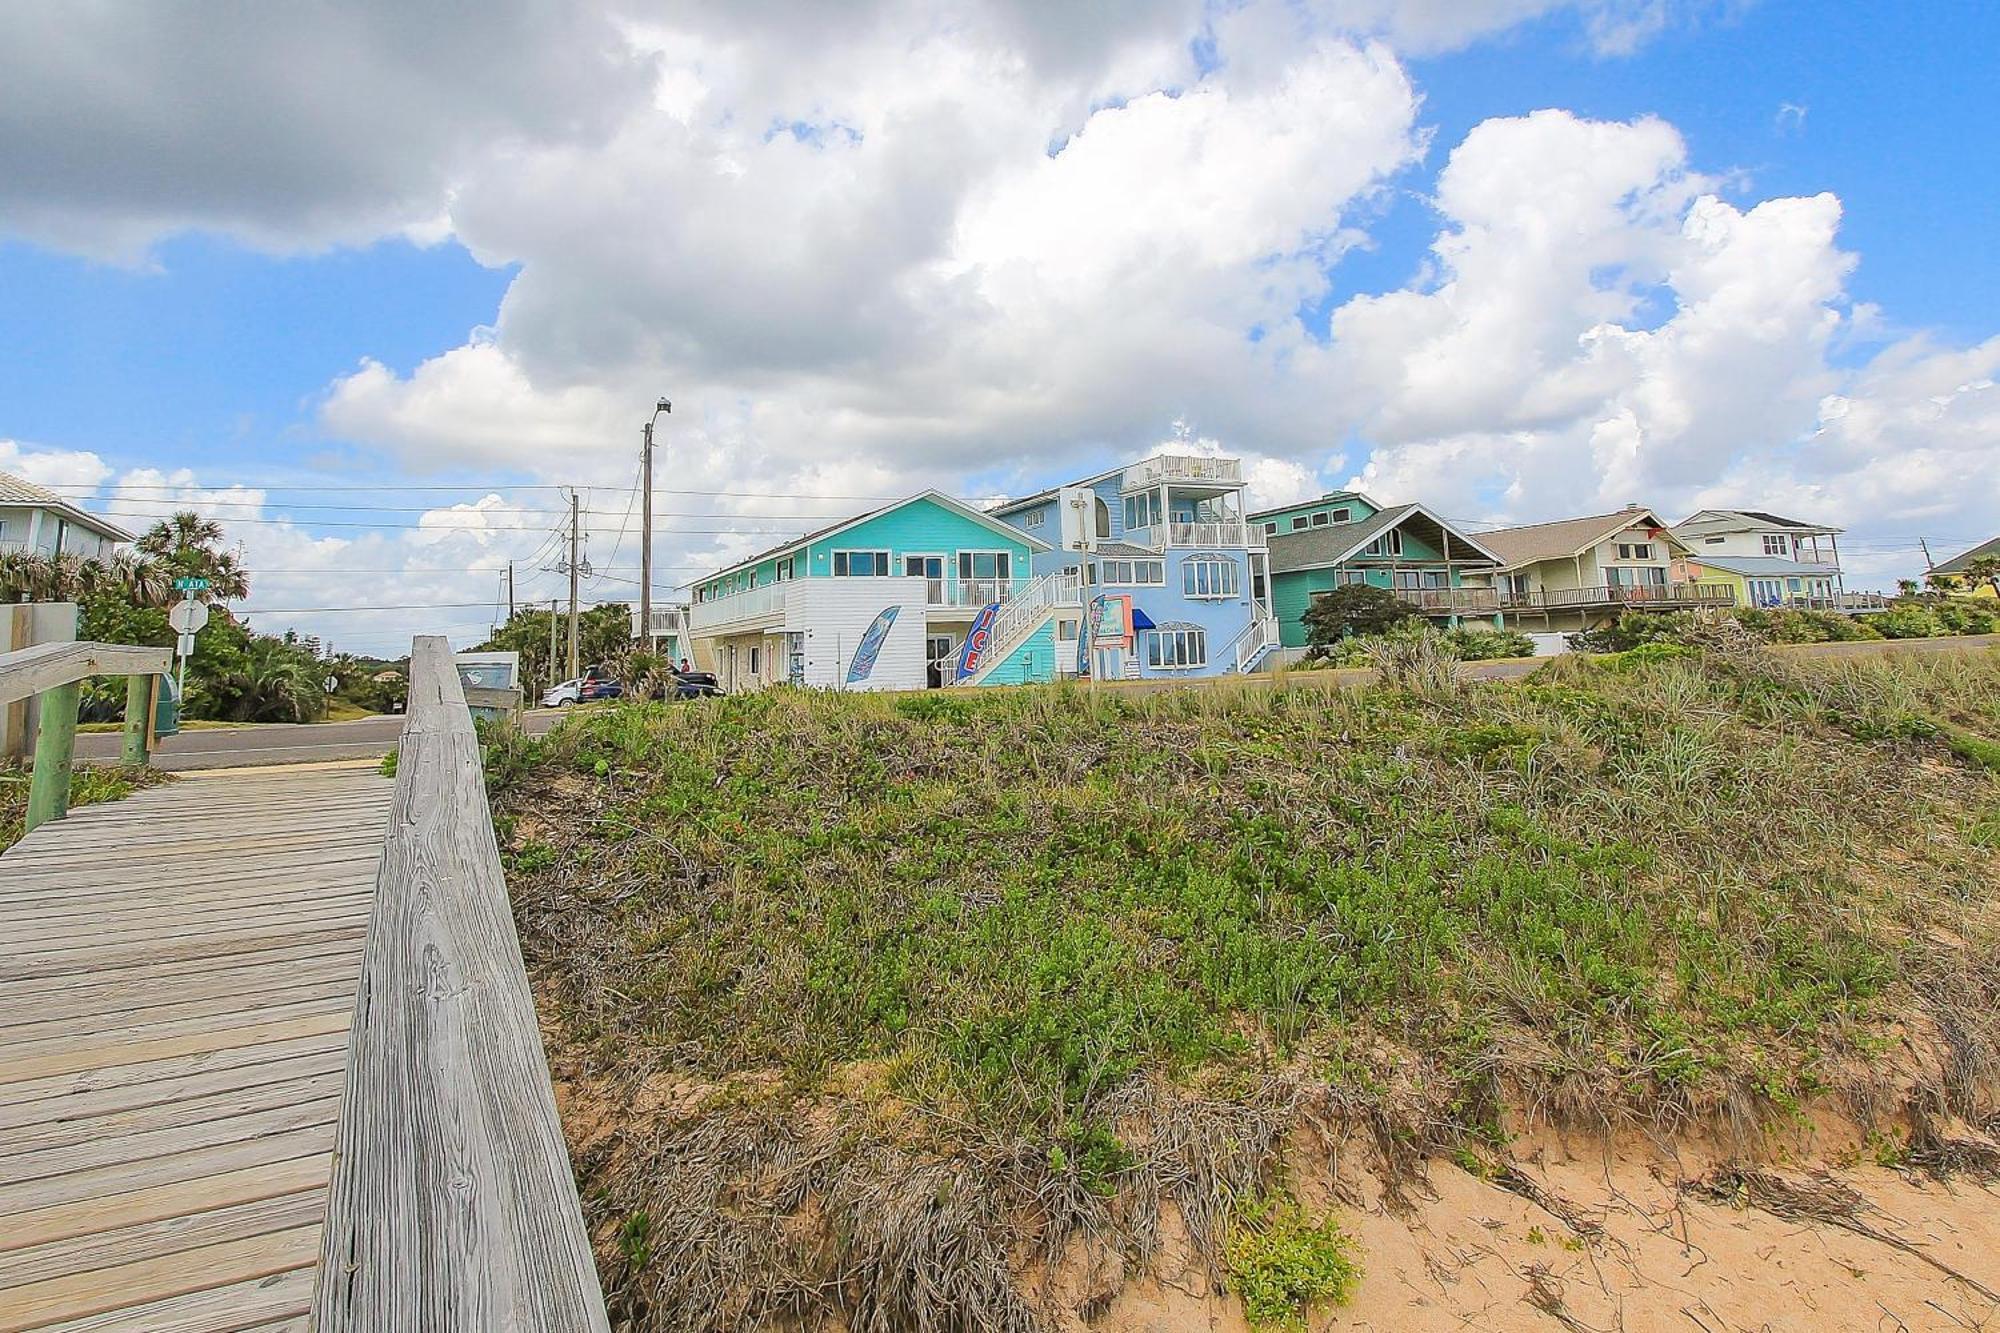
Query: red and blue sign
x: 978, y: 639
x: 871, y: 646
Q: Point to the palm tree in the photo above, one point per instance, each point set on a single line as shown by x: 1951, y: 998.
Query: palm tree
x: 189, y: 544
x: 273, y: 682
x: 1984, y: 569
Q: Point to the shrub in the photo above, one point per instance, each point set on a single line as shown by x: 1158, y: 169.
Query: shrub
x: 1485, y: 645
x: 1282, y: 1263
x: 1910, y: 622
x: 1355, y: 609
x: 1960, y: 618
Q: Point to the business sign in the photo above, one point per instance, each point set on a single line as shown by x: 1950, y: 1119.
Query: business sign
x: 972, y: 653
x: 1111, y: 620
x: 871, y: 645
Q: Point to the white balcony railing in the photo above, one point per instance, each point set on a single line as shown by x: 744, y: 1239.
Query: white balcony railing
x: 1182, y: 469
x: 666, y: 621
x: 972, y: 593
x: 1260, y: 634
x: 1226, y: 532
x: 737, y: 608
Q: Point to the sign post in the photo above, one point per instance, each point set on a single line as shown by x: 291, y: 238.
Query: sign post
x: 187, y: 618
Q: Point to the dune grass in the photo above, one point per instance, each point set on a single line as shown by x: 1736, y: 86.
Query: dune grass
x: 971, y: 972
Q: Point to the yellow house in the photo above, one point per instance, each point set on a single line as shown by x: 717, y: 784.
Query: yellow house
x: 1957, y: 565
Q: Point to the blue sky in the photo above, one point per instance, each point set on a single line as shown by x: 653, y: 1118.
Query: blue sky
x: 223, y: 342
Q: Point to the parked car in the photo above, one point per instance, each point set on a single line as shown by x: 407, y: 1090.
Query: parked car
x: 692, y: 685
x: 600, y: 687
x: 563, y: 695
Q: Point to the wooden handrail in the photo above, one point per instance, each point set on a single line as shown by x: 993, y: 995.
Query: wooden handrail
x: 453, y: 1206
x: 28, y: 671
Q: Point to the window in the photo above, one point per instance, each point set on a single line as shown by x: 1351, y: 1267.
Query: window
x: 1271, y: 528
x: 1177, y: 648
x: 1776, y: 543
x: 756, y: 658
x: 1351, y: 576
x: 1515, y: 585
x: 1322, y: 519
x: 1034, y: 518
x: 983, y: 564
x: 788, y: 569
x: 1389, y: 543
x: 1714, y: 541
x: 1635, y: 550
x: 1342, y: 515
x: 1419, y: 578
x: 1135, y: 573
x: 1066, y: 631
x: 924, y: 566
x: 1299, y: 523
x: 860, y: 564
x: 1209, y: 576
x: 1142, y: 510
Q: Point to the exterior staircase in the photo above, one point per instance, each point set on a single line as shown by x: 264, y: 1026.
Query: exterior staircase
x: 1253, y: 647
x: 1023, y: 614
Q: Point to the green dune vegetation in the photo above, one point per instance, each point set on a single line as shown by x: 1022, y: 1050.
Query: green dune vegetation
x: 901, y: 1011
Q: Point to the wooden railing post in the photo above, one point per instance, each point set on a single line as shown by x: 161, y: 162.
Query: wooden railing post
x: 55, y: 752
x: 138, y: 721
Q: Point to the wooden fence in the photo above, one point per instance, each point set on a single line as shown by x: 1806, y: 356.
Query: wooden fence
x: 453, y: 1206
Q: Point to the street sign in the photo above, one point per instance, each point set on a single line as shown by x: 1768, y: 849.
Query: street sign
x: 188, y: 617
x: 184, y: 647
x: 330, y: 684
x: 190, y: 583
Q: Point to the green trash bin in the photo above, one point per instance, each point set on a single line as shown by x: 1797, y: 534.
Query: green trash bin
x: 167, y: 714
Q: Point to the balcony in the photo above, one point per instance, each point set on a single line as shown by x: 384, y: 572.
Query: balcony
x: 1451, y: 601
x: 1211, y: 532
x: 971, y: 593
x: 1640, y: 596
x: 743, y: 608
x: 666, y: 622
x: 1182, y: 470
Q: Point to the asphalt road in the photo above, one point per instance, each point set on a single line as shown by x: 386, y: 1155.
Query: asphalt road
x: 275, y: 743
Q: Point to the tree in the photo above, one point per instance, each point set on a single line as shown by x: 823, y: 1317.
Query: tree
x: 1907, y: 588
x: 71, y: 578
x: 190, y: 546
x: 1942, y: 583
x: 1355, y: 608
x: 270, y: 681
x: 1984, y: 569
x: 604, y: 634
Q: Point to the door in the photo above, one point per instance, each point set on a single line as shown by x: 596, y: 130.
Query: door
x: 938, y: 657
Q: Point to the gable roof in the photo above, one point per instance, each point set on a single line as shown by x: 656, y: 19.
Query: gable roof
x: 20, y: 491
x: 1316, y: 548
x: 959, y: 507
x: 1957, y: 564
x: 1725, y: 520
x: 1567, y: 537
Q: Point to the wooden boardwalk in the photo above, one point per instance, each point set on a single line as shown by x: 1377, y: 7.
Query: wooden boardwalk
x: 177, y: 977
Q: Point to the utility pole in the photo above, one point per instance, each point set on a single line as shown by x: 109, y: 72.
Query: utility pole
x: 510, y: 591
x: 552, y: 683
x: 646, y: 531
x: 575, y: 669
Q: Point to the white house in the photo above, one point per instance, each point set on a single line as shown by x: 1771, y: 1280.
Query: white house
x: 1769, y: 559
x: 37, y: 520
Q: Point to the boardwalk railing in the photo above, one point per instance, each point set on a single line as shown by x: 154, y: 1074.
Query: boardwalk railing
x: 53, y: 671
x: 452, y: 1206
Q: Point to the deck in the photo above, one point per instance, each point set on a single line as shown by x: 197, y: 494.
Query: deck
x: 177, y: 978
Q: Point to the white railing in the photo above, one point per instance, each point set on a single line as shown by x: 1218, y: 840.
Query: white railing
x: 1224, y: 532
x: 666, y: 621
x: 1257, y: 636
x: 1170, y: 468
x: 972, y: 592
x: 1446, y: 601
x: 755, y: 604
x: 1023, y: 614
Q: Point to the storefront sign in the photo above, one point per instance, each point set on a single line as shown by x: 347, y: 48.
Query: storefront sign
x: 871, y: 646
x: 978, y: 639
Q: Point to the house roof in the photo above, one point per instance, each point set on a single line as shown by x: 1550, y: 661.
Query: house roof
x: 1022, y: 502
x: 1957, y: 564
x: 1566, y: 537
x: 20, y: 491
x: 1331, y: 497
x: 1316, y: 548
x: 1727, y: 520
x: 1759, y: 566
x: 956, y: 506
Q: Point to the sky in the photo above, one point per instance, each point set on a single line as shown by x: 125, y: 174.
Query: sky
x: 377, y: 285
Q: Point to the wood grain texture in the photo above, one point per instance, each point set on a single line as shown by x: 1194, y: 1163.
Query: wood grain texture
x: 179, y: 973
x: 27, y: 671
x: 453, y: 1205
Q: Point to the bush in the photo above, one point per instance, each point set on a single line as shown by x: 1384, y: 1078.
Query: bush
x: 1910, y: 622
x: 1784, y: 625
x: 1632, y: 629
x: 1282, y: 1263
x: 1960, y: 618
x: 1354, y: 609
x: 1485, y: 645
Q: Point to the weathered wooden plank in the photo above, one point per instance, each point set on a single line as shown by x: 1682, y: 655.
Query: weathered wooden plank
x: 162, y: 1278
x: 153, y: 1201
x: 148, y: 1080
x: 28, y: 671
x: 91, y: 1007
x: 453, y: 1205
x: 156, y: 951
x: 243, y: 1307
x: 97, y: 1052
x: 168, y: 1235
x: 232, y: 1092
x: 141, y: 1019
x: 301, y: 1112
